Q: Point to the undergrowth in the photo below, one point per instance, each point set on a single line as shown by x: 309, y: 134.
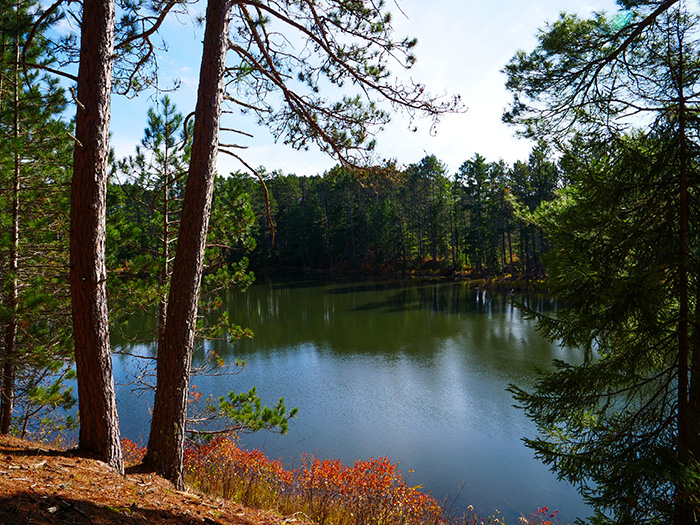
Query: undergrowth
x: 371, y: 492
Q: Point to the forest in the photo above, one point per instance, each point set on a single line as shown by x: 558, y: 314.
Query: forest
x: 604, y: 211
x: 419, y: 217
x: 389, y: 219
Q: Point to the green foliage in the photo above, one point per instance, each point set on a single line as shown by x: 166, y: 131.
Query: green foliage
x: 35, y: 157
x: 45, y: 407
x: 622, y: 425
x: 608, y: 425
x: 143, y: 221
x: 143, y: 211
x: 474, y: 195
x: 409, y: 220
x: 244, y: 413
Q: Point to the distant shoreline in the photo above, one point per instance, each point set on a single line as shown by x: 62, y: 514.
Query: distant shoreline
x: 507, y: 283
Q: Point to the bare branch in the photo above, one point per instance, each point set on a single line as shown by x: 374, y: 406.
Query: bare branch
x: 150, y: 31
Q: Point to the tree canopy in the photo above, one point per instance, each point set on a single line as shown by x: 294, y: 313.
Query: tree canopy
x: 620, y: 94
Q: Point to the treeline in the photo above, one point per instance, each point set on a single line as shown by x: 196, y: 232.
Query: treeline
x: 420, y: 218
x: 385, y: 220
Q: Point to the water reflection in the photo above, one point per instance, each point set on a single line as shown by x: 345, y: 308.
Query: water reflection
x: 416, y: 371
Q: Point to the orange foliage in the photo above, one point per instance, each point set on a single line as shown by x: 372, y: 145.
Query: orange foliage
x: 371, y: 491
x: 132, y: 452
x: 221, y: 468
x: 326, y: 491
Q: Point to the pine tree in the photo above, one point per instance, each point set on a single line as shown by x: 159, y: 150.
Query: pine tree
x: 34, y: 169
x: 350, y: 42
x: 154, y: 181
x: 143, y: 218
x: 623, y: 425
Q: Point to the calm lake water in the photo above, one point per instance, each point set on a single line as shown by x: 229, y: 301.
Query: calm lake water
x: 414, y: 371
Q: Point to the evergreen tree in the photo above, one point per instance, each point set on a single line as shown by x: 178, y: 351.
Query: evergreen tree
x: 533, y: 183
x: 501, y: 223
x: 473, y: 179
x: 35, y: 354
x: 156, y: 176
x: 624, y: 425
x: 143, y: 217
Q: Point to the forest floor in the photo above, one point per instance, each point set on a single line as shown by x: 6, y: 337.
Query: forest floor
x: 41, y: 484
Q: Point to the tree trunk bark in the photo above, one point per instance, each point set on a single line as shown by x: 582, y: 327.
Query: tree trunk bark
x: 165, y: 244
x: 99, y: 423
x: 7, y: 399
x: 685, y: 512
x: 350, y: 214
x: 453, y: 239
x: 510, y: 254
x: 166, y: 440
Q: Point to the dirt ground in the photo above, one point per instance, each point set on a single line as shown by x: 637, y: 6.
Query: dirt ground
x: 43, y: 485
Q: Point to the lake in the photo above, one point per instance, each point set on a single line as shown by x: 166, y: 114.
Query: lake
x: 416, y: 371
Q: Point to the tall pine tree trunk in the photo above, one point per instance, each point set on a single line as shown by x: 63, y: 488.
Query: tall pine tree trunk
x: 694, y: 384
x: 9, y: 356
x: 99, y: 424
x: 510, y: 255
x: 685, y: 508
x: 165, y: 245
x: 350, y: 214
x: 166, y: 440
x: 453, y: 244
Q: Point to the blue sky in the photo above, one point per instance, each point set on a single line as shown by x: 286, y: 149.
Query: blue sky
x: 462, y: 46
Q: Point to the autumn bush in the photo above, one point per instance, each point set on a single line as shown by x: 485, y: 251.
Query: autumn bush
x: 223, y: 469
x: 132, y: 453
x: 371, y: 492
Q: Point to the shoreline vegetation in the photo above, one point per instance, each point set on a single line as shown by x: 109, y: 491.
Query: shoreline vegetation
x: 47, y: 483
x: 428, y: 272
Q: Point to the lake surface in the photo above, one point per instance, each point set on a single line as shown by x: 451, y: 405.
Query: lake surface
x: 415, y: 371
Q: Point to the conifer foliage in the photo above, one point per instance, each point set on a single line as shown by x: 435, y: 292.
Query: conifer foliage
x: 35, y: 352
x: 622, y: 92
x: 415, y: 219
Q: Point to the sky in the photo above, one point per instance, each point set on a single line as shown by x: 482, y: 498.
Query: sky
x: 462, y: 48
